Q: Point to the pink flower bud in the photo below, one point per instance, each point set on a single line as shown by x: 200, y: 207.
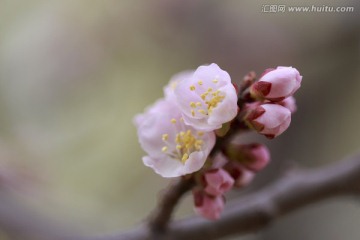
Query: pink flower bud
x: 217, y: 182
x: 219, y: 160
x: 253, y: 156
x: 241, y: 175
x: 269, y: 119
x: 207, y: 206
x: 277, y: 84
x: 289, y: 103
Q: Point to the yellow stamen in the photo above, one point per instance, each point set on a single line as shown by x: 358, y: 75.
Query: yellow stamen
x: 200, y: 82
x: 215, y: 81
x: 193, y: 104
x: 173, y: 120
x: 202, y: 111
x: 203, y: 96
x: 184, y: 157
x: 212, y: 102
x: 192, y: 112
x: 192, y: 87
x: 198, y: 104
x: 200, y: 133
x: 164, y: 149
x: 199, y: 142
x: 186, y: 143
x: 165, y: 137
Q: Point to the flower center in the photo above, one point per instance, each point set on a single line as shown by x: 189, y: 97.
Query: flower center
x: 185, y: 143
x: 211, y: 99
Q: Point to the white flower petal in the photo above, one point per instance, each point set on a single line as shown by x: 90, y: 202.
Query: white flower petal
x: 226, y: 110
x: 165, y: 167
x: 211, y: 72
x: 274, y: 115
x: 207, y: 99
x: 174, y: 149
x: 175, y: 80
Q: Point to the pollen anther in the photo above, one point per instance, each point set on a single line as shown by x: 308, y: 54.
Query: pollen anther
x: 165, y: 137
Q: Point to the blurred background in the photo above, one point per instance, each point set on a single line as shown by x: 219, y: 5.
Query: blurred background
x: 74, y: 73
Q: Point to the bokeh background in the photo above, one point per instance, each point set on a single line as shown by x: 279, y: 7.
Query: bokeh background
x: 74, y: 73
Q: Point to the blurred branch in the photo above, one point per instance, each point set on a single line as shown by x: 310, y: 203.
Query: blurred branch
x: 170, y: 197
x: 291, y: 192
x: 295, y: 190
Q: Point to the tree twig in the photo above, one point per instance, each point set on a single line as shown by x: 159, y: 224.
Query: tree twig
x: 291, y: 192
x: 161, y: 215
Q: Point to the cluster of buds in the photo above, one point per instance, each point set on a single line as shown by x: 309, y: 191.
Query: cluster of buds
x: 203, y: 106
x: 270, y: 114
x: 234, y: 168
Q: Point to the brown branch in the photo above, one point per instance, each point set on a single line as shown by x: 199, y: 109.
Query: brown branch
x: 161, y: 215
x: 169, y: 198
x: 291, y: 192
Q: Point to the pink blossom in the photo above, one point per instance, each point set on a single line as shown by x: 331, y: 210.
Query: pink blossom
x: 253, y: 156
x: 174, y: 149
x: 161, y: 105
x: 175, y: 80
x: 269, y: 119
x: 277, y: 84
x: 208, y: 206
x: 240, y: 174
x: 217, y: 182
x: 289, y: 103
x: 207, y: 99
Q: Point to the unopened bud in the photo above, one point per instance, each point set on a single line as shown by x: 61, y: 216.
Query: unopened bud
x: 217, y: 182
x: 207, y: 206
x: 268, y: 119
x: 277, y: 84
x: 253, y: 156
